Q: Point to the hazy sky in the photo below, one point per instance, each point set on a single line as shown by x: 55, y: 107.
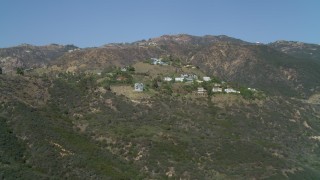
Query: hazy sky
x: 88, y: 23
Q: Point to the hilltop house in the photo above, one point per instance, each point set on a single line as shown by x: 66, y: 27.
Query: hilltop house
x: 124, y: 69
x: 178, y: 79
x: 189, y: 77
x: 138, y: 87
x: 216, y: 89
x: 192, y: 77
x: 167, y: 79
x: 184, y: 75
x: 190, y: 66
x: 205, y: 78
x: 230, y: 90
x: 252, y: 89
x: 156, y: 61
x: 201, y: 91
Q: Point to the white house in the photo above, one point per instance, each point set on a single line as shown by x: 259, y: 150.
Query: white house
x: 201, y: 91
x: 178, y: 79
x: 156, y: 61
x: 189, y: 77
x: 252, y: 89
x: 216, y: 89
x: 152, y: 44
x: 190, y: 66
x: 205, y: 78
x: 216, y: 84
x: 138, y: 87
x: 167, y: 79
x: 230, y: 90
x: 124, y: 69
x: 184, y: 75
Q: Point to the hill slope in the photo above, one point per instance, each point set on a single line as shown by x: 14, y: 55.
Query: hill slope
x: 230, y: 59
x: 28, y: 56
x: 68, y: 127
x: 298, y: 49
x: 90, y: 124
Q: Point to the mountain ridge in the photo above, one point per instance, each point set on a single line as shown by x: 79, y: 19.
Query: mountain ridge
x: 222, y: 56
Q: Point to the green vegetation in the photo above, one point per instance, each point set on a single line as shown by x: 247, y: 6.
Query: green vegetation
x: 208, y: 86
x: 58, y: 125
x: 130, y: 68
x: 190, y: 87
x: 84, y: 133
x: 114, y: 76
x: 172, y: 60
x: 308, y: 70
x: 20, y: 71
x: 246, y: 93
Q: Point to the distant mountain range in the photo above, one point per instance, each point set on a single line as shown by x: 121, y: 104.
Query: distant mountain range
x: 298, y: 49
x: 282, y: 67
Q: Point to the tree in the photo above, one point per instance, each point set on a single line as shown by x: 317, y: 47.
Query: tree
x: 20, y: 71
x: 0, y: 70
x: 246, y: 93
x: 207, y: 86
x: 131, y: 68
x: 156, y: 82
x: 167, y: 89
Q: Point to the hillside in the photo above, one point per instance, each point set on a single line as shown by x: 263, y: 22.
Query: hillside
x: 261, y: 67
x: 230, y: 59
x: 77, y: 113
x: 28, y: 56
x: 279, y: 68
x: 71, y: 127
x: 298, y: 49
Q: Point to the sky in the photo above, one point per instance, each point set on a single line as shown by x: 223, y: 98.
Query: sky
x: 92, y: 23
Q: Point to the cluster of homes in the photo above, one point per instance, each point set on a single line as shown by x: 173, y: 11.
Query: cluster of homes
x: 217, y: 88
x: 139, y: 87
x: 71, y: 50
x: 187, y: 78
x: 142, y: 44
